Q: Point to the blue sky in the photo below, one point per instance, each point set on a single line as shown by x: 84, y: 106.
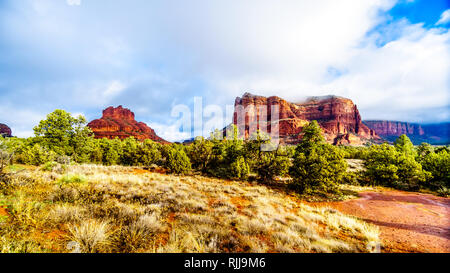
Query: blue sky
x: 390, y: 57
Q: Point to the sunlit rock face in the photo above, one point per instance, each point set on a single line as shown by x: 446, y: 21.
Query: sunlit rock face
x: 120, y: 122
x: 339, y: 118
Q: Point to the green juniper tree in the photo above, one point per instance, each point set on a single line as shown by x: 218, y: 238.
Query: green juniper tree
x: 317, y: 166
x: 62, y: 133
x: 394, y: 166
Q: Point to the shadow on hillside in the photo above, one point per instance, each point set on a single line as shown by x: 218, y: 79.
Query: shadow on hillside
x: 317, y: 196
x: 408, y: 198
x: 424, y: 229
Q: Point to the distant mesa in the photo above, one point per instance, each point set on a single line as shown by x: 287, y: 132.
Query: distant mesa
x: 437, y: 134
x: 120, y: 122
x: 338, y: 117
x: 5, y: 131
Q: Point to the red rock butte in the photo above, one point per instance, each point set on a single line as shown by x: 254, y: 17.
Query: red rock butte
x: 387, y: 128
x: 338, y: 117
x: 5, y: 131
x: 120, y: 122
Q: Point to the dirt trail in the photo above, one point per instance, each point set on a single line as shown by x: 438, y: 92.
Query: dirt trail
x: 409, y: 222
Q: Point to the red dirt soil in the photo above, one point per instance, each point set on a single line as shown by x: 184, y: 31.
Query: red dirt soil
x: 3, y: 212
x: 409, y: 222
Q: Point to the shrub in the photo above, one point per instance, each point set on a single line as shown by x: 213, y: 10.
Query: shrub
x: 438, y: 164
x: 316, y: 165
x: 72, y: 179
x: 5, y: 160
x: 264, y: 158
x: 272, y: 164
x: 444, y: 192
x: 352, y: 152
x: 129, y: 155
x: 90, y: 236
x: 149, y: 153
x: 239, y: 169
x: 49, y: 166
x: 200, y: 152
x: 227, y: 158
x: 322, y: 168
x: 176, y: 159
x: 389, y: 166
x: 404, y: 145
x: 112, y: 149
x: 37, y: 155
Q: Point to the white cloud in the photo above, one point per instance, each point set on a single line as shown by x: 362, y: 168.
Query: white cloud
x: 21, y: 121
x: 403, y: 80
x: 113, y: 90
x: 445, y: 18
x: 169, y: 132
x: 136, y: 54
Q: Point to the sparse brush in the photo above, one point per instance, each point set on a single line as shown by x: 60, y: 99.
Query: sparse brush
x: 444, y: 192
x: 72, y: 179
x: 137, y: 211
x: 150, y: 223
x: 66, y: 214
x: 90, y: 235
x: 64, y: 194
x: 18, y: 246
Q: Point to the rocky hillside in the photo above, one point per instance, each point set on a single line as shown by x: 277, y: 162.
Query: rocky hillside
x: 418, y: 133
x: 339, y: 118
x: 5, y: 131
x: 120, y: 122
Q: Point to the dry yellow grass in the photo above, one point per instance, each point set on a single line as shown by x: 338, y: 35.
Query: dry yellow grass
x: 123, y: 209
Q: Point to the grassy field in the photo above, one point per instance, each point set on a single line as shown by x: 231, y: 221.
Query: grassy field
x: 89, y: 208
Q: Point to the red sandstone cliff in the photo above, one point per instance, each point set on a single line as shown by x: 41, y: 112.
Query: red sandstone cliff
x: 394, y: 128
x: 120, y: 122
x: 5, y: 130
x: 437, y: 134
x: 338, y: 117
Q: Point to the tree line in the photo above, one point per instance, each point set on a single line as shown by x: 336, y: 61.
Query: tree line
x: 311, y: 166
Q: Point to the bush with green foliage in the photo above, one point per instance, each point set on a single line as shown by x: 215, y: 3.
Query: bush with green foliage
x: 37, y: 155
x: 267, y: 160
x: 313, y: 165
x: 129, y: 155
x: 239, y: 169
x: 317, y: 166
x: 5, y: 157
x: 272, y: 164
x: 354, y: 152
x: 227, y: 158
x: 404, y: 145
x: 62, y: 133
x: 112, y: 150
x: 200, y: 152
x: 149, y: 153
x: 176, y: 159
x: 394, y: 166
x: 438, y: 165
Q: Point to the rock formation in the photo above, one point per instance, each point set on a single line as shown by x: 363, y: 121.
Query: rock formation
x: 120, y: 122
x: 418, y: 133
x: 338, y: 117
x: 5, y: 131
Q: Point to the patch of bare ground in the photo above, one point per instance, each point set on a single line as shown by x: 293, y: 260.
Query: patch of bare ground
x: 409, y: 222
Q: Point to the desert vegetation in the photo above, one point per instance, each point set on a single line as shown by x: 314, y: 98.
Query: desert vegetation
x: 63, y: 190
x: 92, y: 208
x: 312, y: 166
